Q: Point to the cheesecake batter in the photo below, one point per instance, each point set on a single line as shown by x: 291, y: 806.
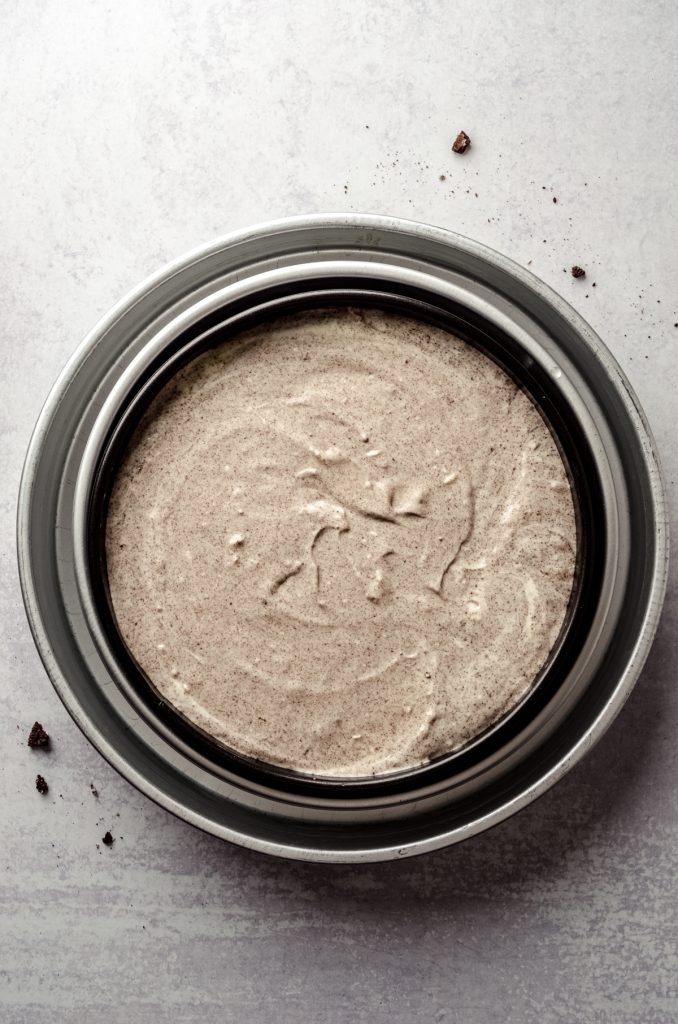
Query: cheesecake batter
x: 343, y: 543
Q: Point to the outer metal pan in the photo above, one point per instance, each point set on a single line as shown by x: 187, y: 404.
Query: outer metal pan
x: 441, y: 277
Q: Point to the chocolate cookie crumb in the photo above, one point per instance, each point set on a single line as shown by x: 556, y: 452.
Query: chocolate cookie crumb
x: 461, y: 143
x: 95, y: 792
x: 555, y: 199
x: 441, y: 177
x: 107, y: 839
x: 38, y: 737
x: 40, y: 784
x: 578, y: 272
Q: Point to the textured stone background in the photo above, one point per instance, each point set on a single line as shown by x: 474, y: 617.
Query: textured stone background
x: 133, y: 131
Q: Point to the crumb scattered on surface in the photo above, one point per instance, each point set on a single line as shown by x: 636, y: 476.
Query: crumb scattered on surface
x: 41, y: 784
x: 107, y: 839
x: 94, y: 790
x: 578, y: 272
x: 555, y: 199
x: 441, y: 177
x: 461, y: 143
x: 38, y: 737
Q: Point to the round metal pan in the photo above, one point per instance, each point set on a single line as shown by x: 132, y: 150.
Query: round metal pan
x: 201, y: 301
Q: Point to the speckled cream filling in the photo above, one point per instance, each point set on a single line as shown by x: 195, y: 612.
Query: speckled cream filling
x: 343, y: 543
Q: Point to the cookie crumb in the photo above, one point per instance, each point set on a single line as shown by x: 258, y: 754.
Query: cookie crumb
x: 41, y: 784
x: 38, y: 737
x: 461, y: 143
x: 107, y: 839
x: 555, y: 199
x: 94, y: 790
x: 441, y: 177
x: 578, y: 272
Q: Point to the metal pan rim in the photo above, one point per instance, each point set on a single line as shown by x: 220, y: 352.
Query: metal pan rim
x: 374, y: 230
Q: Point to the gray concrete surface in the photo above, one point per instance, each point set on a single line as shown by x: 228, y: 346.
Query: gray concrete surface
x: 133, y: 131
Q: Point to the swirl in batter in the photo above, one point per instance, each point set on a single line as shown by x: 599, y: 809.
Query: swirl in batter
x: 343, y: 543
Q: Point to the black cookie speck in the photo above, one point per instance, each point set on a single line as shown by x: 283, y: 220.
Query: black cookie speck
x: 107, y: 839
x: 40, y: 784
x: 38, y: 737
x: 578, y: 272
